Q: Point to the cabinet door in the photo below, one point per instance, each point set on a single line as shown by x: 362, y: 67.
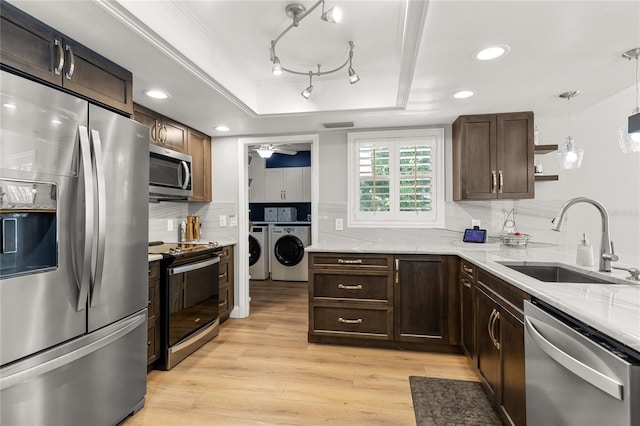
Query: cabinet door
x: 513, y: 398
x: 29, y: 46
x: 256, y: 176
x: 515, y: 155
x: 466, y: 315
x: 200, y: 151
x: 488, y: 355
x: 306, y: 184
x: 474, y: 158
x: 273, y: 189
x: 89, y: 74
x: 421, y: 299
x: 292, y: 183
x: 150, y: 119
x: 173, y: 135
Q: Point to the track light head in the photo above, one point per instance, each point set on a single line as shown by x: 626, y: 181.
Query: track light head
x: 353, y: 76
x: 306, y: 93
x: 277, y: 67
x: 333, y: 15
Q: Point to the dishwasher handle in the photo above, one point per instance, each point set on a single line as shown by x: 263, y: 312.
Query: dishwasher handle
x: 586, y: 373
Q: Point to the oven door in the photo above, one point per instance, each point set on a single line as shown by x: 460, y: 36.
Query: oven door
x: 192, y: 298
x: 169, y: 174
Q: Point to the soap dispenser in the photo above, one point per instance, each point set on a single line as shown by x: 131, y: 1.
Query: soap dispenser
x: 584, y: 256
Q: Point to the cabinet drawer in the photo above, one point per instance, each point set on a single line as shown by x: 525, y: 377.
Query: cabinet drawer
x: 330, y: 284
x: 154, y: 271
x: 364, y: 322
x: 223, y: 273
x: 224, y: 303
x: 225, y: 254
x: 350, y: 260
x: 467, y: 268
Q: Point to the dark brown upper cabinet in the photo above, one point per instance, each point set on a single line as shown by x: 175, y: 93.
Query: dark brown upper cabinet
x: 163, y: 131
x: 29, y: 47
x: 493, y: 156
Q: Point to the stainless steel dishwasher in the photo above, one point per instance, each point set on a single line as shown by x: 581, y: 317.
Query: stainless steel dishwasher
x: 575, y: 375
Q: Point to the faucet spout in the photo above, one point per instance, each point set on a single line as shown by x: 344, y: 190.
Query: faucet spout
x: 607, y: 254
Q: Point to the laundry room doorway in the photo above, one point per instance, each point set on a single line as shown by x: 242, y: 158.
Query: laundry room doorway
x: 280, y: 200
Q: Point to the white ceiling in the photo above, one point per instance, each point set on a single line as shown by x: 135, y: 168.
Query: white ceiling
x: 213, y: 57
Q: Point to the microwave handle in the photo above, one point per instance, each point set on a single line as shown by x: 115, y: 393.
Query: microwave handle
x: 184, y: 184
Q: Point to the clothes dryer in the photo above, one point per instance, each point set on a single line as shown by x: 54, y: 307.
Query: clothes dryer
x: 259, y: 252
x: 288, y: 258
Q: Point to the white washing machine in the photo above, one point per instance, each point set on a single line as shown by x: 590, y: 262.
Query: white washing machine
x: 259, y: 252
x: 288, y: 258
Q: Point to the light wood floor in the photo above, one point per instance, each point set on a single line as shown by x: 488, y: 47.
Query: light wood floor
x: 261, y: 371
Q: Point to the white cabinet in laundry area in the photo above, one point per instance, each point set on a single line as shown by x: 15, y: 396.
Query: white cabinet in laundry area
x: 286, y: 184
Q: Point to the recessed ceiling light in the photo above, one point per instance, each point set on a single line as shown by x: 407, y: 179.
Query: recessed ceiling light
x: 56, y: 121
x: 464, y: 94
x: 492, y: 52
x: 9, y: 106
x: 222, y: 128
x: 156, y: 94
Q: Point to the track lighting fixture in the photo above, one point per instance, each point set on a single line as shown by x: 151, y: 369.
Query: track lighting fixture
x: 298, y: 12
x: 629, y: 136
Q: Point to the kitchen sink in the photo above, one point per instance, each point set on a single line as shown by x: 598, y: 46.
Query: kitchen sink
x: 558, y: 273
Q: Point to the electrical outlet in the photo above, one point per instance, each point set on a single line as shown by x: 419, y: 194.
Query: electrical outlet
x: 339, y: 225
x: 223, y: 221
x: 170, y: 225
x: 475, y: 222
x: 233, y: 220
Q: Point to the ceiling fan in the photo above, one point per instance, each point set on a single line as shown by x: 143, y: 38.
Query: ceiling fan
x: 267, y: 150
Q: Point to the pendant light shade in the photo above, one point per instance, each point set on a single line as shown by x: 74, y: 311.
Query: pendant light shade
x: 569, y: 157
x: 629, y: 133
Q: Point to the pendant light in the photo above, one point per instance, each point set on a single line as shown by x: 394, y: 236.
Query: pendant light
x: 629, y: 134
x: 568, y: 156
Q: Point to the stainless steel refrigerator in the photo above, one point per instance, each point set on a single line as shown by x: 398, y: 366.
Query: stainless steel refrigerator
x: 73, y: 263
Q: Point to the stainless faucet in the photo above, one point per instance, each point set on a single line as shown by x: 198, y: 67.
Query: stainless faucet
x: 607, y: 254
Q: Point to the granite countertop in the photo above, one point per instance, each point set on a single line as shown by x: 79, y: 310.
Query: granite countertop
x: 613, y: 309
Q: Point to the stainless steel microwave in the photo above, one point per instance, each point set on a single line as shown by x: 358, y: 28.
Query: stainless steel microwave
x: 170, y: 174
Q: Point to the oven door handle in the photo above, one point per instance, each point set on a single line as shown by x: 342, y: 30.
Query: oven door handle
x: 193, y: 266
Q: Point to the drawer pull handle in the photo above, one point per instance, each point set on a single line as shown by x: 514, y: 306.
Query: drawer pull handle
x: 149, y: 343
x: 466, y: 283
x: 350, y: 261
x: 222, y: 303
x: 350, y: 287
x: 149, y: 303
x: 223, y: 275
x: 467, y: 269
x: 350, y: 321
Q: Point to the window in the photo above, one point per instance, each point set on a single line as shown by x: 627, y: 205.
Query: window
x: 396, y: 178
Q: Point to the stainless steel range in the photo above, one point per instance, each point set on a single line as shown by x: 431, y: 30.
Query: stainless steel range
x: 189, y: 296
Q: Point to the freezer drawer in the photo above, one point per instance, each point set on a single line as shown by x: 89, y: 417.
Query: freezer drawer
x: 97, y: 379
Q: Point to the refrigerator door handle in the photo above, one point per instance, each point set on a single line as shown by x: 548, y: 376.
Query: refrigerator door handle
x: 83, y: 275
x: 100, y: 223
x: 588, y: 374
x: 9, y: 380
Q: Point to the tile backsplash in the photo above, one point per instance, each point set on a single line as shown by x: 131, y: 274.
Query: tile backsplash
x: 161, y: 213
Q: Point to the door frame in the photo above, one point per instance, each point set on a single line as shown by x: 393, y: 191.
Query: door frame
x: 241, y: 299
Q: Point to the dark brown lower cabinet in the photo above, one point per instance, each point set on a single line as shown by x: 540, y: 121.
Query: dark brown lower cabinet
x: 226, y: 283
x: 467, y: 312
x: 153, y: 310
x: 500, y: 345
x: 421, y: 300
x: 382, y: 300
